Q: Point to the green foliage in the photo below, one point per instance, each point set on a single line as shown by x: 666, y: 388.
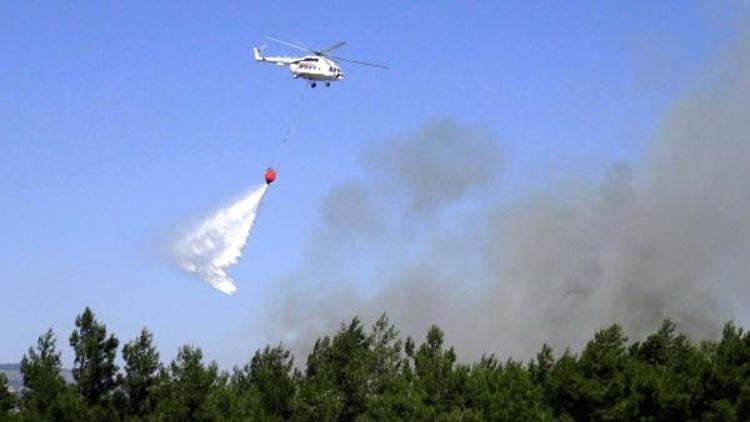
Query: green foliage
x: 504, y: 392
x: 389, y: 394
x: 602, y: 389
x: 268, y: 379
x: 141, y: 370
x: 94, y: 369
x: 665, y: 373
x: 185, y: 389
x: 437, y: 379
x: 372, y: 375
x: 336, y: 381
x: 729, y: 380
x: 69, y: 406
x: 42, y: 381
x: 7, y: 400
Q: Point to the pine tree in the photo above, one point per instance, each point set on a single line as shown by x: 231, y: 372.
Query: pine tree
x: 728, y: 395
x: 42, y: 381
x: 389, y: 390
x: 603, y: 364
x: 503, y: 392
x: 7, y: 400
x: 94, y: 369
x: 141, y: 370
x: 439, y: 379
x: 269, y: 375
x: 185, y: 389
x: 335, y: 386
x: 666, y: 372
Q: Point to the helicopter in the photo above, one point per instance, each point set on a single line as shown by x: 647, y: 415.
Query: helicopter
x: 316, y: 67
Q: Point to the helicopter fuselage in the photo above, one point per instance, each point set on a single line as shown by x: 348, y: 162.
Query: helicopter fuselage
x: 315, y: 68
x: 318, y: 66
x: 311, y: 67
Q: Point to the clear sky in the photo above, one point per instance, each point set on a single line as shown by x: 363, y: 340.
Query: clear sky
x: 121, y: 121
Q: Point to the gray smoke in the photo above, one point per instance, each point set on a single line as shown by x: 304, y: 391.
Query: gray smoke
x: 665, y: 237
x: 439, y: 164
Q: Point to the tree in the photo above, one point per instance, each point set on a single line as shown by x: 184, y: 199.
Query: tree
x: 361, y: 375
x: 45, y: 395
x: 335, y: 385
x: 440, y: 381
x: 389, y: 393
x: 561, y: 386
x: 224, y: 404
x: 665, y: 375
x: 358, y: 375
x: 94, y: 368
x: 540, y: 368
x: 141, y: 370
x: 184, y: 390
x: 269, y: 375
x: 69, y: 407
x: 504, y: 393
x: 42, y: 381
x: 728, y: 383
x: 603, y: 365
x: 7, y: 400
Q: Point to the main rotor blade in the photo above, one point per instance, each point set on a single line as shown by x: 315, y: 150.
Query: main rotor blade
x: 288, y: 44
x: 359, y: 62
x: 333, y: 47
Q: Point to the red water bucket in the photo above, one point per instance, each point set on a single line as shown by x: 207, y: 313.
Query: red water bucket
x: 270, y: 175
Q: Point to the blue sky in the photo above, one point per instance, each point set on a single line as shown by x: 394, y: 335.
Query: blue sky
x: 119, y: 122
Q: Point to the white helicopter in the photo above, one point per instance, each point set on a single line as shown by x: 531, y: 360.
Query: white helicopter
x: 318, y: 66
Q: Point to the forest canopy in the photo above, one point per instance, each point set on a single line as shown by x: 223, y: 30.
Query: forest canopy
x: 372, y: 373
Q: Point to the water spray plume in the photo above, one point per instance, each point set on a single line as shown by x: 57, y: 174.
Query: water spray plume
x: 217, y: 243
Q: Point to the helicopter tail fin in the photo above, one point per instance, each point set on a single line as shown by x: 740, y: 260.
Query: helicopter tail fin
x: 258, y: 56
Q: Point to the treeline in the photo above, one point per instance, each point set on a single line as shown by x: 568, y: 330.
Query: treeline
x: 372, y: 374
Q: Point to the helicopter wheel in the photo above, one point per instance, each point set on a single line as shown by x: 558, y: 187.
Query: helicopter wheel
x: 328, y: 84
x: 313, y: 84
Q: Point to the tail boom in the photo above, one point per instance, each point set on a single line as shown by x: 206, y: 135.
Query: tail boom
x: 281, y: 61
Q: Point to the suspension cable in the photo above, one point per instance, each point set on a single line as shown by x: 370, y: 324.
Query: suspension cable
x: 293, y: 123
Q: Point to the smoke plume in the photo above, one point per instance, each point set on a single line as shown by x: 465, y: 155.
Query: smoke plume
x: 667, y: 236
x: 217, y: 243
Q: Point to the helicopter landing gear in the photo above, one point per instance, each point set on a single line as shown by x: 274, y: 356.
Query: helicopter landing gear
x: 328, y: 83
x: 313, y: 84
